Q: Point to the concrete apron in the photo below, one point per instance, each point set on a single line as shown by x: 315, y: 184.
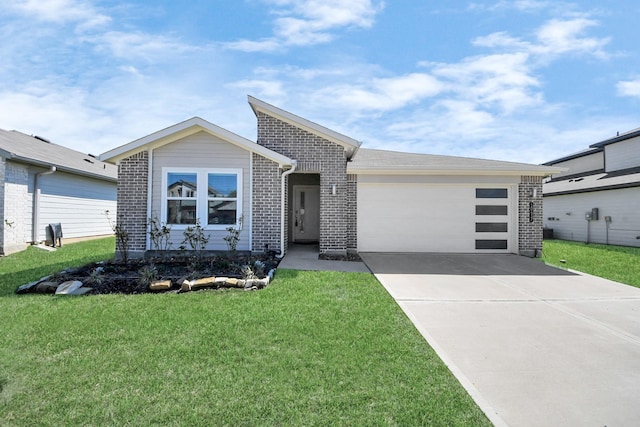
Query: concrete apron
x: 533, y: 349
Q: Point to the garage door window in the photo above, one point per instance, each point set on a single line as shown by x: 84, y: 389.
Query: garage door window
x: 491, y: 210
x: 491, y: 193
x: 491, y: 227
x: 491, y: 244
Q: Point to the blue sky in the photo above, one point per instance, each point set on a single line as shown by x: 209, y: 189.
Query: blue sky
x: 523, y: 80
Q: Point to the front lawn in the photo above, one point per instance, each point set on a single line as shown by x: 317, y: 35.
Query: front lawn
x: 619, y: 263
x: 313, y: 348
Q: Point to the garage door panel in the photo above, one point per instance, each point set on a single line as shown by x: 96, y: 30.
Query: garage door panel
x: 423, y: 218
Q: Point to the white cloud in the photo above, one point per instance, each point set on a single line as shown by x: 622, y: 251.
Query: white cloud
x: 61, y: 11
x: 139, y: 45
x: 554, y: 38
x: 310, y: 22
x: 379, y: 94
x: 629, y: 88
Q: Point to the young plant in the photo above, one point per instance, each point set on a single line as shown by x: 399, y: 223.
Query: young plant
x: 159, y: 232
x: 122, y: 236
x: 195, y: 238
x: 233, y: 236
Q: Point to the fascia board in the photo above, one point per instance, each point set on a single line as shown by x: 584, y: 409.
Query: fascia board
x: 184, y: 129
x: 469, y: 172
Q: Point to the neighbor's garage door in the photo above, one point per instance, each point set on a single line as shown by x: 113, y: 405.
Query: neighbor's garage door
x: 394, y: 217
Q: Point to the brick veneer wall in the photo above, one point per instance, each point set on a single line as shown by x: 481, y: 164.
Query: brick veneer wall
x: 530, y: 232
x: 265, y: 205
x: 311, y: 152
x: 133, y: 176
x: 352, y: 213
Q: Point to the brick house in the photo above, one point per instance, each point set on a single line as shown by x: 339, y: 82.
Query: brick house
x: 304, y: 183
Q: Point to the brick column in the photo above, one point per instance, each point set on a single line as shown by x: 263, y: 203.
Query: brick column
x: 133, y: 176
x: 266, y: 205
x: 530, y: 216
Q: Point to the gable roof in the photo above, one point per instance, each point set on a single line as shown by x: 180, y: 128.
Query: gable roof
x: 186, y: 128
x: 381, y: 162
x: 351, y: 145
x: 23, y: 148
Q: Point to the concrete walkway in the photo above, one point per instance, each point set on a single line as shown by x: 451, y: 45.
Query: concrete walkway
x: 305, y: 257
x: 533, y: 345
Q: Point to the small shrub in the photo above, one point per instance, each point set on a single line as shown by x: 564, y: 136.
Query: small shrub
x: 148, y: 274
x: 195, y: 238
x: 233, y: 236
x: 159, y: 233
x: 122, y: 237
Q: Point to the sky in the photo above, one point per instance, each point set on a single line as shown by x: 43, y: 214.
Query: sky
x: 523, y: 80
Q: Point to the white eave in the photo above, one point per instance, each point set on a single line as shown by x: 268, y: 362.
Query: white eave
x: 351, y: 145
x: 187, y: 128
x: 382, y: 162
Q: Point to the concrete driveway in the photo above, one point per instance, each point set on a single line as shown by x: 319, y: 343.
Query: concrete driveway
x: 532, y: 344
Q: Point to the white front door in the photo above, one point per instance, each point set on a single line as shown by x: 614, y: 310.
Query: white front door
x: 306, y: 213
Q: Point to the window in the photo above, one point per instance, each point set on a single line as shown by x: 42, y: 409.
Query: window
x: 491, y: 227
x: 185, y: 201
x: 491, y: 193
x: 182, y: 191
x: 222, y: 198
x: 491, y: 244
x: 491, y: 210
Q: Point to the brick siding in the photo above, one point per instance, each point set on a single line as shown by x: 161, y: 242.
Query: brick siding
x: 265, y: 205
x: 530, y: 216
x: 312, y: 152
x: 133, y: 176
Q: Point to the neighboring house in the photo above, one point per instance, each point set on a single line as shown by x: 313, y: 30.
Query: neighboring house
x: 302, y: 182
x: 597, y: 199
x: 44, y: 183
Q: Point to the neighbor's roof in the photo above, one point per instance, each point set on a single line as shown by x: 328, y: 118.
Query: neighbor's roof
x: 594, y: 182
x: 184, y: 129
x: 350, y: 144
x: 368, y: 161
x: 23, y: 148
x: 576, y: 155
x: 623, y: 136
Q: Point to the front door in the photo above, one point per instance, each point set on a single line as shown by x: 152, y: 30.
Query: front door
x: 306, y: 213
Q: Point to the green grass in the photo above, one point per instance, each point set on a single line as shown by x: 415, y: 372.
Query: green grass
x: 619, y: 263
x: 313, y: 348
x: 32, y: 263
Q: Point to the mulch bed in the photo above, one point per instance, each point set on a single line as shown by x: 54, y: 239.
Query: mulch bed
x: 134, y: 276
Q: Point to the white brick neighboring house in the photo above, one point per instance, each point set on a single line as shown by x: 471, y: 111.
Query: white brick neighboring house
x: 43, y: 183
x: 597, y: 198
x: 302, y: 182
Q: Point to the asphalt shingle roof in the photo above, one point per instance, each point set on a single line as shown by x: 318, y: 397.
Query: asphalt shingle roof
x: 20, y: 147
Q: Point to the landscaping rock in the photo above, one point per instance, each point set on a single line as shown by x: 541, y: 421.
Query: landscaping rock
x: 47, y: 287
x: 231, y: 282
x: 29, y: 287
x: 69, y: 287
x: 81, y: 291
x: 203, y: 283
x: 221, y: 280
x: 160, y: 285
x: 185, y: 286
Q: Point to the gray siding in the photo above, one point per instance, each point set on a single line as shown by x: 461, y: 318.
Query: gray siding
x: 566, y: 215
x: 203, y: 151
x: 622, y: 155
x: 588, y: 163
x: 78, y: 203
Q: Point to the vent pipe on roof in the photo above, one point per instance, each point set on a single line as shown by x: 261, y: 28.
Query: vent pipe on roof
x: 43, y: 139
x: 35, y: 217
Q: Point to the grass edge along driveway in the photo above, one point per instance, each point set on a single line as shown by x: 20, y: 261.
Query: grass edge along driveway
x: 314, y: 348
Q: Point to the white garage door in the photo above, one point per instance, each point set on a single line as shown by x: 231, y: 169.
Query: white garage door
x: 436, y: 218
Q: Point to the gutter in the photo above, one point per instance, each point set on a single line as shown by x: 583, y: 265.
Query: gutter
x: 36, y: 204
x: 283, y: 177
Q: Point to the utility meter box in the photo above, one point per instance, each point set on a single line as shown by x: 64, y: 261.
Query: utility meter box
x: 594, y: 214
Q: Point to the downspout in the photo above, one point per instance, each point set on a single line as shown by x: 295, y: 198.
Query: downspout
x: 282, y: 206
x: 35, y: 217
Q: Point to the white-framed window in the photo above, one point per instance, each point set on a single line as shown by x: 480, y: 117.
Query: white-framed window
x: 212, y: 195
